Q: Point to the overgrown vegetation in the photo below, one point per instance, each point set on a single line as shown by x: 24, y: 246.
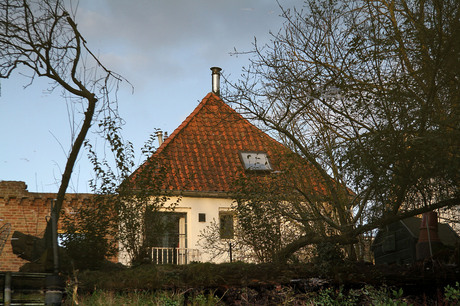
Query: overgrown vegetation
x: 122, y: 201
x: 163, y: 298
x: 366, y: 92
x: 267, y: 284
x: 88, y: 235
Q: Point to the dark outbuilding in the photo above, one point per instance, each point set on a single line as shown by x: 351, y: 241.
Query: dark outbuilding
x: 408, y: 240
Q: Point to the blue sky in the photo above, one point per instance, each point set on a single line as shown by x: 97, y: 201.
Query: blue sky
x: 164, y: 48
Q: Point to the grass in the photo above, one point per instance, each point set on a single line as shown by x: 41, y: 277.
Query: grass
x: 280, y: 295
x: 138, y: 298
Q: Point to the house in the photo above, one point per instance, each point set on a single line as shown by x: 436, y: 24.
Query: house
x: 203, y: 157
x: 410, y: 239
x: 26, y: 212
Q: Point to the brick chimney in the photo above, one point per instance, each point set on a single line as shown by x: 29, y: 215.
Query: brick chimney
x: 429, y: 242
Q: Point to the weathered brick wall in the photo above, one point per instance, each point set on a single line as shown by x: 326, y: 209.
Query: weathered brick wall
x: 26, y: 212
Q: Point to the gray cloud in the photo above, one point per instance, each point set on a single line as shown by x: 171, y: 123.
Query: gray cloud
x: 166, y: 36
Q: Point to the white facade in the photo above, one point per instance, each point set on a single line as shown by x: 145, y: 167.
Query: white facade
x: 193, y: 206
x: 190, y: 226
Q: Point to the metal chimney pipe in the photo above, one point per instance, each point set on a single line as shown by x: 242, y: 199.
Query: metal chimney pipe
x: 216, y: 80
x: 160, y: 137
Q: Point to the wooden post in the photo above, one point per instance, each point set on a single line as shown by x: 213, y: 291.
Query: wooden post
x: 230, y: 251
x: 7, y: 290
x: 54, y: 237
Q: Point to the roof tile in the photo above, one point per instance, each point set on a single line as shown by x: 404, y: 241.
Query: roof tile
x: 202, y: 154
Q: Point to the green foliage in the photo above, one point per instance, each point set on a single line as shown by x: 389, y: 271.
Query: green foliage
x: 131, y: 194
x: 87, y: 235
x: 329, y: 296
x: 365, y: 296
x: 384, y: 296
x: 452, y: 294
x: 117, y: 212
x: 205, y: 299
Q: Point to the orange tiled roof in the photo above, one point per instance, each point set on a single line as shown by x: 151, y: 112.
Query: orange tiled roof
x: 202, y: 154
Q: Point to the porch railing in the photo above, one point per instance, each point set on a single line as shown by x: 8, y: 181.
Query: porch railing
x: 176, y: 256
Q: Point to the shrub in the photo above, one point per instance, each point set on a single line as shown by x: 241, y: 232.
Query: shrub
x: 327, y: 256
x: 452, y: 294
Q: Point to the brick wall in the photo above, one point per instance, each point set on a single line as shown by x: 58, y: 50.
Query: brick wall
x: 26, y: 212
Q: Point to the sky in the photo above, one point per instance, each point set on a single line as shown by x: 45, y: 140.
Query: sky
x: 165, y: 48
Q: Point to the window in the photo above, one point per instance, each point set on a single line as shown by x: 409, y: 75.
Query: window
x: 201, y: 217
x: 226, y: 225
x: 62, y: 239
x: 255, y: 161
x: 389, y: 243
x: 165, y: 229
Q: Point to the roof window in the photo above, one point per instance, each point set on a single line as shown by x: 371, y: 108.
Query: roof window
x: 255, y: 161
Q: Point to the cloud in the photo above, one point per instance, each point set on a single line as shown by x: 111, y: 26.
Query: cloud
x: 149, y: 26
x: 144, y: 40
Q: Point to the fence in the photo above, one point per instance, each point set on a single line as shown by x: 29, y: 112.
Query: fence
x: 23, y: 288
x: 176, y: 256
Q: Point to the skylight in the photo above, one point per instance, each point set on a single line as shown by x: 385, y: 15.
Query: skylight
x: 255, y: 161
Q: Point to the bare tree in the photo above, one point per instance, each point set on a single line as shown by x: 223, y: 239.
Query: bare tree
x: 41, y: 38
x: 367, y: 92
